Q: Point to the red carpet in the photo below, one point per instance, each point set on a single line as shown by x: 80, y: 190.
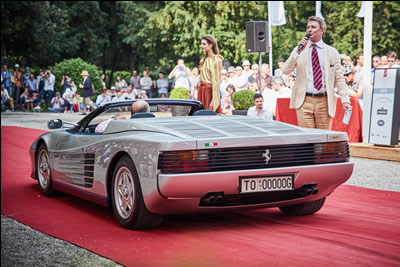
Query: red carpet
x: 356, y: 227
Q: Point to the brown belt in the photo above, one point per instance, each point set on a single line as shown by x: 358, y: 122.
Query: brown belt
x: 316, y: 95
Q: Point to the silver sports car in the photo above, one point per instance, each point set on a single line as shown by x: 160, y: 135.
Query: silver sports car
x: 180, y: 158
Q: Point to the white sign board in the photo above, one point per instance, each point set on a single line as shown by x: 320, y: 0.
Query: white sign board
x: 383, y: 100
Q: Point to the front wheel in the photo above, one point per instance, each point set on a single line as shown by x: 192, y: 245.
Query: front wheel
x: 307, y: 208
x: 127, y: 198
x: 44, y: 172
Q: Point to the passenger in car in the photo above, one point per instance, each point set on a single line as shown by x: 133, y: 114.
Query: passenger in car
x: 103, y: 125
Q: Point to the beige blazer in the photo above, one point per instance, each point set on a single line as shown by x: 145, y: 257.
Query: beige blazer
x: 333, y: 76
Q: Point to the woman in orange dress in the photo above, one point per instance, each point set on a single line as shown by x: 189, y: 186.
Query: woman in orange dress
x: 210, y: 74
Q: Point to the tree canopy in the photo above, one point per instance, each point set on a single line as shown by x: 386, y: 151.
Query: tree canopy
x: 154, y: 34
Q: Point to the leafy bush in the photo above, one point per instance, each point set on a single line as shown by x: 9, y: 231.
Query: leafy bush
x: 243, y: 99
x: 74, y: 68
x: 180, y: 93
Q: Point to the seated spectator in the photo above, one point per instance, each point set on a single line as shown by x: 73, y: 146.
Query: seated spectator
x: 258, y: 109
x: 68, y: 98
x: 246, y: 68
x: 231, y: 75
x: 118, y: 97
x: 227, y: 104
x: 6, y: 99
x: 384, y: 62
x: 164, y: 108
x: 353, y: 82
x: 26, y: 100
x: 102, y: 99
x: 241, y: 80
x: 77, y: 102
x: 194, y: 83
x: 392, y: 59
x: 57, y: 103
x: 253, y: 79
x: 348, y: 60
x: 360, y: 63
x: 270, y: 97
x: 229, y: 91
x: 130, y: 94
x: 224, y: 82
x: 266, y: 77
x: 277, y: 86
x: 112, y: 92
x: 103, y: 125
x: 143, y: 94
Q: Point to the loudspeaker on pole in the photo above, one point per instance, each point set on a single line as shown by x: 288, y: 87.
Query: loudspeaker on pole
x: 257, y: 36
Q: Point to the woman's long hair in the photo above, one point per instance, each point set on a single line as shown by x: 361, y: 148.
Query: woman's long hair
x: 211, y: 40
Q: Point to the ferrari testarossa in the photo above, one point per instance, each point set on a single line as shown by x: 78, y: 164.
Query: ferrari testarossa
x: 184, y: 159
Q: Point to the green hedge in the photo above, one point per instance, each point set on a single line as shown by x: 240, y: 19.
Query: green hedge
x: 180, y: 93
x: 243, y: 99
x: 74, y: 68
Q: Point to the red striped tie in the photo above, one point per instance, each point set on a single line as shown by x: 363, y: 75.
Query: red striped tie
x: 317, y: 73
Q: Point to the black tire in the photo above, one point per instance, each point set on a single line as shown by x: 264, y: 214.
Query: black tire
x: 127, y: 198
x: 307, y: 208
x: 44, y: 172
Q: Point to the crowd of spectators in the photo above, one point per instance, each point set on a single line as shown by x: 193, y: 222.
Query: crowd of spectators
x: 24, y: 91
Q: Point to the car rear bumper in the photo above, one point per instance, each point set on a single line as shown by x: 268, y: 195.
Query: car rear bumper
x: 183, y: 193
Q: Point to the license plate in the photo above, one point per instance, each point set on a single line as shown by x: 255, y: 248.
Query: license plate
x: 266, y: 184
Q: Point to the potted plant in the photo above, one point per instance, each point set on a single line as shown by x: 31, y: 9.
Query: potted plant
x: 179, y: 93
x: 242, y: 101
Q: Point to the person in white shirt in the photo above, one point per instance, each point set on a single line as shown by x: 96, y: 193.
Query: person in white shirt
x: 258, y: 109
x: 246, y: 68
x: 271, y: 95
x: 102, y: 99
x: 231, y: 75
x: 242, y: 80
x: 68, y: 97
x: 277, y: 86
x: 143, y: 94
x: 57, y: 103
x: 118, y: 97
x: 130, y: 94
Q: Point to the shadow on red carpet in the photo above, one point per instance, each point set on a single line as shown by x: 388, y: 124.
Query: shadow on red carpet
x: 357, y: 226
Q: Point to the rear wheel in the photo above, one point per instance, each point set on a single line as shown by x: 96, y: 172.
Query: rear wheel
x: 127, y: 198
x: 44, y: 172
x: 304, y: 208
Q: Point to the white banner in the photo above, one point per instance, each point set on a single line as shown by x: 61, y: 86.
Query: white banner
x: 318, y: 13
x: 361, y: 12
x: 276, y: 13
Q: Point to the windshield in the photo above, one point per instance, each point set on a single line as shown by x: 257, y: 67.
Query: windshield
x: 124, y: 112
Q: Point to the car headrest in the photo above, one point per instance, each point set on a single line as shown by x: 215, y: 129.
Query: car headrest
x: 142, y: 115
x: 205, y: 112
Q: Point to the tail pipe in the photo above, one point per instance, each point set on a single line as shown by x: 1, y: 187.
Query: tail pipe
x: 212, y: 199
x: 308, y: 189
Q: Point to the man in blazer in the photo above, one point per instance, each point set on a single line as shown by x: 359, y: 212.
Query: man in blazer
x: 318, y: 70
x: 87, y: 91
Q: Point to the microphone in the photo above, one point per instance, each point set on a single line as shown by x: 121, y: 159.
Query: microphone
x: 301, y: 45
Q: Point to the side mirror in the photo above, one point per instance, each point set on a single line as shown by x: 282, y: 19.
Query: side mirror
x: 55, y: 124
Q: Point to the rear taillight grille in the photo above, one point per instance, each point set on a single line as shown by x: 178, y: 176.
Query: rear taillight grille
x: 243, y: 158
